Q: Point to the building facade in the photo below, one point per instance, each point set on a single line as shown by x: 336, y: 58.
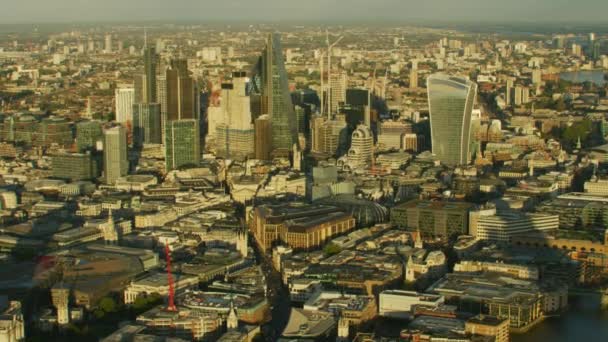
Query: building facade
x: 451, y: 102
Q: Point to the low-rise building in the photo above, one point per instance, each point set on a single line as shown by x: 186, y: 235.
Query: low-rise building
x: 433, y: 218
x: 302, y: 227
x: 183, y: 323
x: 157, y: 282
x: 12, y: 326
x: 490, y: 326
x: 400, y: 303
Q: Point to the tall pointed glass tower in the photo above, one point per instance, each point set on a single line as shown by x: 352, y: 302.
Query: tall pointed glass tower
x: 270, y: 73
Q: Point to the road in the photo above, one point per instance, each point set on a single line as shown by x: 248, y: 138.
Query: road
x: 278, y: 297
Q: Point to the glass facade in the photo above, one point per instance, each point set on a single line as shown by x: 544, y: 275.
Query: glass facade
x: 182, y: 144
x: 450, y: 104
x: 276, y: 97
x: 146, y: 123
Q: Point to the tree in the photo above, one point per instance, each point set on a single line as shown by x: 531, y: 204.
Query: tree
x: 560, y: 105
x: 331, y: 249
x: 108, y: 304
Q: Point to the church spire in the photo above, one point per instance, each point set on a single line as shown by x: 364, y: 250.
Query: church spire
x: 232, y: 322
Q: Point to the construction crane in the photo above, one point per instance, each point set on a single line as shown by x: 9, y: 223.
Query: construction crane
x: 171, y: 304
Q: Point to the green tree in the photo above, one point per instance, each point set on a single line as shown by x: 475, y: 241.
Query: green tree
x: 560, y: 104
x: 108, y: 304
x: 331, y: 249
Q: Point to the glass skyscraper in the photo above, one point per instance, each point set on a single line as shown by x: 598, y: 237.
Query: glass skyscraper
x: 450, y: 104
x: 182, y: 144
x: 146, y: 124
x: 270, y: 73
x: 149, y: 76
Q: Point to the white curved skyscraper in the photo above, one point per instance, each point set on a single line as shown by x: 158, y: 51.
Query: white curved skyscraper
x: 451, y: 101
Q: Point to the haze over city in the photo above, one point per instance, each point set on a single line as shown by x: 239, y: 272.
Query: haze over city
x: 351, y: 11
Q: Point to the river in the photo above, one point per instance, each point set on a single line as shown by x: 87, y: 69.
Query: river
x: 583, y: 322
x: 595, y: 76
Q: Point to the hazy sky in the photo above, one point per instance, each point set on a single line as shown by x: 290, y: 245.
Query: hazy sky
x: 30, y: 11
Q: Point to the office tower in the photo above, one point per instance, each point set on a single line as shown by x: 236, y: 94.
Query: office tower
x: 139, y: 88
x: 54, y: 130
x: 161, y: 97
x: 115, y: 163
x: 576, y: 49
x: 413, y: 142
x: 525, y: 95
x: 595, y: 50
x: 108, y: 42
x: 263, y: 143
x: 235, y: 143
x: 361, y: 149
x: 390, y: 134
x: 91, y: 46
x: 182, y: 143
x: 357, y: 108
x: 337, y: 89
x: 74, y: 166
x: 536, y: 76
x: 182, y: 125
x: 88, y: 133
x: 271, y: 75
x: 508, y: 92
x: 301, y: 119
x: 521, y: 95
x: 451, y: 101
x: 235, y: 135
x: 413, y: 79
x: 124, y: 99
x: 148, y: 79
x: 60, y: 296
x: 329, y: 136
x: 182, y: 93
x: 146, y: 124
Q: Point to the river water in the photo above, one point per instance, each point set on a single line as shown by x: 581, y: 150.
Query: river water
x: 595, y: 76
x: 585, y: 321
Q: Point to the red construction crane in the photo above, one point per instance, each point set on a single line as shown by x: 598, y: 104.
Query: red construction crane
x: 171, y: 305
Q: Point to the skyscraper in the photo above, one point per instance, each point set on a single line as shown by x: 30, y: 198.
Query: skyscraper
x: 413, y: 79
x: 450, y: 104
x: 181, y: 92
x: 148, y: 80
x: 124, y: 99
x: 235, y: 135
x: 263, y: 143
x: 146, y: 124
x: 115, y: 163
x: 108, y: 43
x: 337, y: 89
x: 182, y: 145
x: 182, y: 125
x: 271, y: 75
x: 88, y: 133
x: 161, y: 96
